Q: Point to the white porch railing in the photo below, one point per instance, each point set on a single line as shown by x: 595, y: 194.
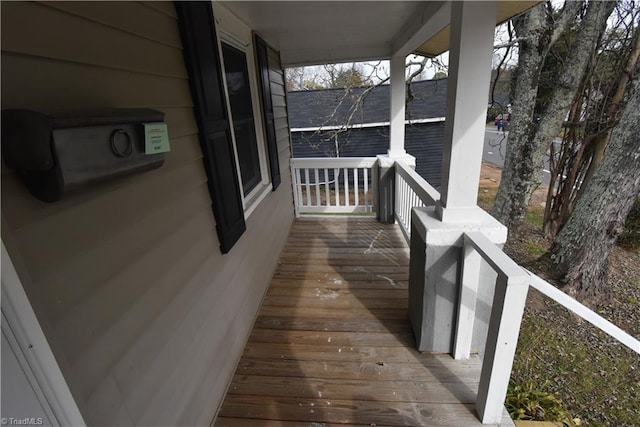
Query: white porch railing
x: 411, y: 191
x: 508, y: 305
x: 509, y: 299
x: 334, y: 185
x: 511, y: 288
x: 585, y: 312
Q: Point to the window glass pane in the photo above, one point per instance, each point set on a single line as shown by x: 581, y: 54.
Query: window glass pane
x: 235, y: 65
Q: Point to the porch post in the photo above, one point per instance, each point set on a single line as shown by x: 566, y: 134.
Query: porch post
x: 436, y: 262
x: 386, y: 169
x: 398, y: 95
x: 471, y: 50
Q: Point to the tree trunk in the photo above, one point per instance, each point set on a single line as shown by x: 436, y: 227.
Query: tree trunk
x: 523, y: 165
x: 581, y: 249
x: 581, y: 157
x: 601, y: 141
x: 534, y: 31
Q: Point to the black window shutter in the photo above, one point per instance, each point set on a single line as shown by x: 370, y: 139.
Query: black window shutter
x: 200, y: 46
x: 262, y: 56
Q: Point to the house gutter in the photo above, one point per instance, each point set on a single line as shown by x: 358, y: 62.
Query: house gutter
x: 366, y: 125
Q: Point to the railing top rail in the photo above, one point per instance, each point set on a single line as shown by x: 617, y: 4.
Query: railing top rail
x: 497, y: 259
x: 585, y: 312
x: 503, y: 264
x: 422, y: 188
x: 330, y: 162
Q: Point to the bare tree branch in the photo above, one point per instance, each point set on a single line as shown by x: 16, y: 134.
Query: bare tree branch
x: 569, y: 11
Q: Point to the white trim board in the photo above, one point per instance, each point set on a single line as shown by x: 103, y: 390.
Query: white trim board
x: 32, y: 350
x: 367, y: 125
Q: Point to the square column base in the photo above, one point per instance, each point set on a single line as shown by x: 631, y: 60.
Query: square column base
x: 435, y: 276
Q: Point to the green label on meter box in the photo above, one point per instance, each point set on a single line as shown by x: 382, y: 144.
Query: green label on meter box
x: 156, y: 138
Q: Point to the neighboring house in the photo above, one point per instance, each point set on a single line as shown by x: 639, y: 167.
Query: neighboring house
x: 318, y: 119
x: 129, y: 302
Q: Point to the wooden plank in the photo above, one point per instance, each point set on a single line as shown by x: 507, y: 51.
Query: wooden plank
x: 392, y: 278
x: 335, y: 353
x: 331, y: 313
x: 374, y: 283
x: 379, y: 235
x: 344, y: 339
x: 431, y: 370
x: 318, y: 268
x: 342, y: 256
x: 378, y: 391
x: 336, y: 243
x: 313, y: 251
x: 344, y: 324
x: 347, y: 411
x: 328, y: 257
x: 329, y: 298
x: 326, y: 294
x: 248, y: 422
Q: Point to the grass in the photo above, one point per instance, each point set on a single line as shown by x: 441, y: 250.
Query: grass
x: 565, y: 369
x: 532, y: 401
x: 535, y: 217
x: 593, y: 377
x: 486, y: 196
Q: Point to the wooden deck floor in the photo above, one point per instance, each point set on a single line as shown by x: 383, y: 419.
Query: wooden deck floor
x: 332, y: 344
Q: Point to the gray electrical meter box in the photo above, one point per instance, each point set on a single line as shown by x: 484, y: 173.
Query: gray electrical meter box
x: 58, y: 153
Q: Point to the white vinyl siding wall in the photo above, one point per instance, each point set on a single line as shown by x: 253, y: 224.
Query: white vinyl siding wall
x: 145, y: 316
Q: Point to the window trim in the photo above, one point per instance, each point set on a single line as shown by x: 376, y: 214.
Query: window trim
x: 251, y: 201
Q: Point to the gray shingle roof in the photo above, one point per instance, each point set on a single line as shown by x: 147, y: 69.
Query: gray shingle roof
x: 315, y: 108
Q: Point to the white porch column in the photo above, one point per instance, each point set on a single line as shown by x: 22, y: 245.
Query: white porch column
x: 398, y: 95
x: 435, y: 279
x: 386, y: 169
x: 471, y: 51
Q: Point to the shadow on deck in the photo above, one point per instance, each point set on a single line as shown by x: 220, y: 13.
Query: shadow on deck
x: 332, y: 344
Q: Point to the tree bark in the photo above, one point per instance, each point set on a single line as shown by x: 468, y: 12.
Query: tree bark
x: 601, y: 141
x: 581, y: 250
x: 584, y: 143
x: 534, y: 31
x: 525, y: 150
x: 536, y: 34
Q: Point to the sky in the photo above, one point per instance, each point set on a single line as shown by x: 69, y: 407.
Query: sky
x: 379, y: 70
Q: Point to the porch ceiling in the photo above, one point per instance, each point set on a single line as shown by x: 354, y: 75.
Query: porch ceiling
x: 319, y: 32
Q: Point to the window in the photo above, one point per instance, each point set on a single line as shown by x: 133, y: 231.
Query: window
x: 244, y: 128
x: 234, y: 154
